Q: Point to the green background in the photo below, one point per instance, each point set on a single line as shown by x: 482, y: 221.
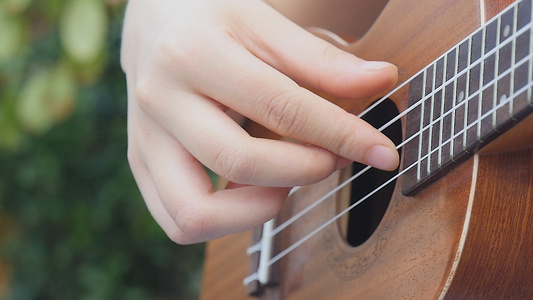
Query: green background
x: 72, y: 222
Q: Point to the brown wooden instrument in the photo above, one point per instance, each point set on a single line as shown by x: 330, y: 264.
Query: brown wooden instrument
x: 456, y: 222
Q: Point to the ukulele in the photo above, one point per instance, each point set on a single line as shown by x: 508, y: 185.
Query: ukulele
x: 455, y: 220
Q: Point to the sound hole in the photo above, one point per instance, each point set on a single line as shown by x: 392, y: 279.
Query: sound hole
x: 360, y: 223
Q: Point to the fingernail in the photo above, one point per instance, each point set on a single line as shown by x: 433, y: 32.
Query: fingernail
x: 383, y: 158
x: 375, y: 65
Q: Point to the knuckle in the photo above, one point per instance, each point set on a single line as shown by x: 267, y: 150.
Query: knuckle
x: 235, y: 164
x: 168, y: 55
x: 144, y: 92
x: 193, y: 226
x: 283, y: 114
x: 134, y: 159
x: 172, y: 50
x: 347, y: 139
x: 331, y: 53
x: 178, y: 48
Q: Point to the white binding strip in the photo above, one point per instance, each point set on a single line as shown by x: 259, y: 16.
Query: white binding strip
x: 464, y: 231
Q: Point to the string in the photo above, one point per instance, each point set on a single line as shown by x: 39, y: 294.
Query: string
x: 482, y: 58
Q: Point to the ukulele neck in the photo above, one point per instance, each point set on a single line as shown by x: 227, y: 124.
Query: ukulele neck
x: 468, y: 97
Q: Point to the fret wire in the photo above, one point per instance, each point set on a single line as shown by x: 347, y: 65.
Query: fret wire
x: 481, y: 72
x: 481, y: 59
x: 442, y: 111
x: 431, y: 110
x: 467, y: 88
x: 420, y: 140
x: 496, y: 67
x: 530, y: 75
x: 454, y: 101
x: 513, y: 57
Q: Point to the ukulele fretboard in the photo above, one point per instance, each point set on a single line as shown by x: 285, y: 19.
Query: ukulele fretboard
x: 469, y: 96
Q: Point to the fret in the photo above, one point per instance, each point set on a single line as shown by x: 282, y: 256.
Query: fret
x: 523, y: 100
x: 430, y: 87
x: 507, y: 24
x: 489, y: 68
x: 522, y: 73
x: 429, y: 78
x: 425, y: 137
x: 450, y: 64
x: 411, y: 149
x: 511, y: 75
x: 486, y: 124
x: 507, y: 29
x: 436, y: 142
x: 530, y: 73
x: 491, y: 32
x: 475, y: 79
x: 523, y: 14
x: 496, y: 72
x: 463, y: 56
x: 441, y: 63
x: 505, y: 57
x: 487, y: 103
x: 482, y: 71
x: 439, y: 72
x: 424, y: 128
x: 447, y: 122
x: 503, y: 114
x: 522, y: 77
x: 473, y: 105
x: 522, y: 49
x: 459, y: 119
x: 465, y: 91
x: 477, y: 44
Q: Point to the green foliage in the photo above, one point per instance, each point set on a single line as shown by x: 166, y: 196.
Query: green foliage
x: 78, y: 228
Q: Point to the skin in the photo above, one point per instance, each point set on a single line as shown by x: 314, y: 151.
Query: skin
x: 189, y: 62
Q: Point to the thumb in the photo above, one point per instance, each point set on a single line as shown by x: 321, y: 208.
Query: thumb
x: 312, y: 61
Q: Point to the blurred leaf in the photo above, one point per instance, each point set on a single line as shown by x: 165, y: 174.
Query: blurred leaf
x: 51, y: 8
x: 115, y: 3
x: 13, y: 35
x: 17, y: 6
x: 9, y: 130
x: 31, y: 106
x: 89, y: 73
x: 47, y: 98
x: 83, y: 29
x: 62, y: 90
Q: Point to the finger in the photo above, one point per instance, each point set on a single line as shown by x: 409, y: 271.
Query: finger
x: 270, y: 98
x: 310, y: 60
x: 183, y: 201
x: 223, y: 146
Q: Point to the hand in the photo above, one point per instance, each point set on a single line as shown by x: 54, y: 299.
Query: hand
x: 187, y: 62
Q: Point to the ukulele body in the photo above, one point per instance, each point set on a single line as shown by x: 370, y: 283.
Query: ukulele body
x: 468, y: 235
